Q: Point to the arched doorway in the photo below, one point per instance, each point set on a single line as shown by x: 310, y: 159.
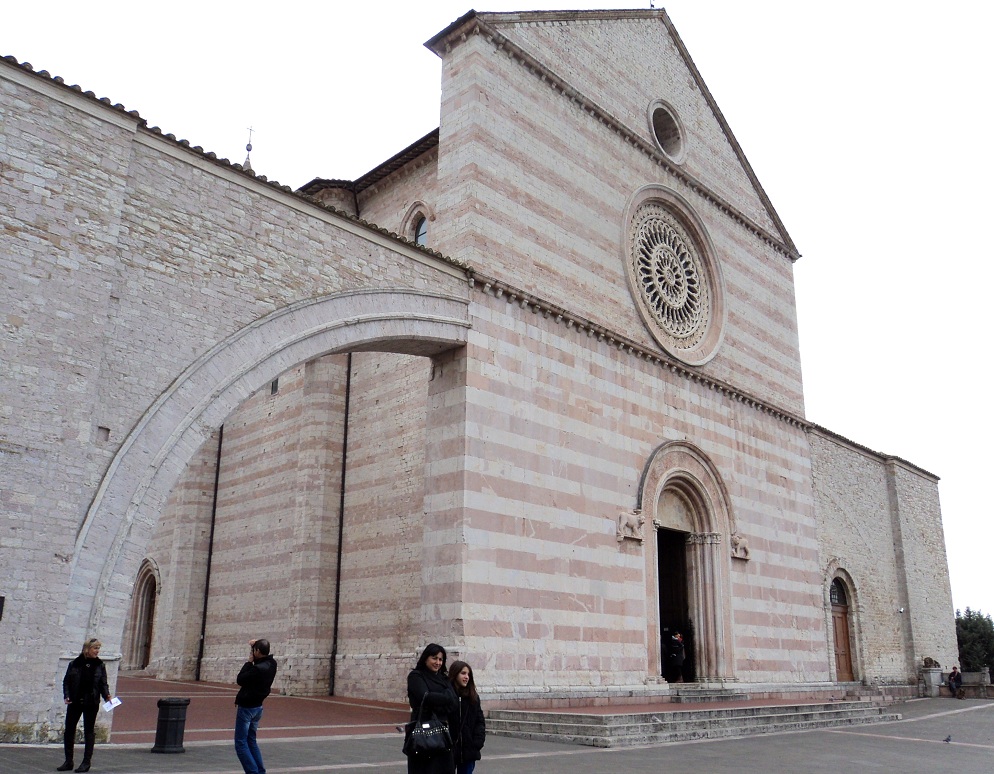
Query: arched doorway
x: 840, y: 632
x: 691, y: 580
x: 142, y: 619
x: 674, y: 612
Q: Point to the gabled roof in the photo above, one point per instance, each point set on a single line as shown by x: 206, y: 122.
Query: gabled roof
x: 489, y: 24
x: 378, y: 173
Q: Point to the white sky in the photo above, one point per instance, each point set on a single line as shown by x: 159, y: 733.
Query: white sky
x: 866, y: 122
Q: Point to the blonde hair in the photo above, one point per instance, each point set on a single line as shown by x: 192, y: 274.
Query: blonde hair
x: 92, y: 642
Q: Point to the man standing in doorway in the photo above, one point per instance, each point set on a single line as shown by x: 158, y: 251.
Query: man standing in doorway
x: 255, y: 681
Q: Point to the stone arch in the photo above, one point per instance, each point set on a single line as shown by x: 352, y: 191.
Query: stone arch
x: 135, y: 652
x: 417, y: 210
x: 836, y: 570
x: 680, y: 468
x: 111, y: 541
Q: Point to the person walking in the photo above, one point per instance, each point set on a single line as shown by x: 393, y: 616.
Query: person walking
x: 255, y: 680
x: 428, y: 684
x: 84, y: 685
x: 467, y: 725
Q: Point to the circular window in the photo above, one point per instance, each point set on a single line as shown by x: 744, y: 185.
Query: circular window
x: 666, y: 130
x: 669, y: 273
x: 674, y: 279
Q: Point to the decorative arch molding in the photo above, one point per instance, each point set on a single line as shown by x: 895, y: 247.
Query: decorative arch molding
x: 111, y: 541
x: 682, y: 468
x: 415, y: 211
x: 836, y: 570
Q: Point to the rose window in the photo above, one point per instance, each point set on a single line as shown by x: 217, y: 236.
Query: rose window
x: 669, y: 275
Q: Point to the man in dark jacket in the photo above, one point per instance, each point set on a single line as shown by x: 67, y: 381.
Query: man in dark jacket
x: 256, y: 680
x: 955, y: 682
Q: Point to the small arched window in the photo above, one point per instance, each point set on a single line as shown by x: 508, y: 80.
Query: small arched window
x: 420, y: 230
x: 838, y: 593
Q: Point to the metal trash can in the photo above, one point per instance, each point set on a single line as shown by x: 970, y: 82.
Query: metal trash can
x: 170, y: 726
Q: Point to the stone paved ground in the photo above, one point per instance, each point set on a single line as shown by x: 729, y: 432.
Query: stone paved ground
x: 914, y: 744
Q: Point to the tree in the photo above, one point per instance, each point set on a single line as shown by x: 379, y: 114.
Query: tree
x: 975, y: 638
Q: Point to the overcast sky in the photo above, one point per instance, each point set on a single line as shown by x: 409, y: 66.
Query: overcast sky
x: 866, y: 122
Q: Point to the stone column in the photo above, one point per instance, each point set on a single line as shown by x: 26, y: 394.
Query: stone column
x: 704, y: 565
x: 933, y: 680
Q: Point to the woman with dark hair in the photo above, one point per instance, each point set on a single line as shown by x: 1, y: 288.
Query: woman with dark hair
x: 428, y: 683
x: 466, y: 724
x: 84, y: 685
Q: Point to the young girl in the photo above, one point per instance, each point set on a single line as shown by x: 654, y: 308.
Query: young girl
x: 466, y: 725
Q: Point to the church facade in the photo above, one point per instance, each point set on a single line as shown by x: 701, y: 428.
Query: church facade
x: 530, y: 389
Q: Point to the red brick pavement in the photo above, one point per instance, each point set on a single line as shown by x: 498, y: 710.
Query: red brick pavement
x: 210, y: 716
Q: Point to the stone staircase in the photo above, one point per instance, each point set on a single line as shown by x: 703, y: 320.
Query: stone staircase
x: 691, y: 694
x: 639, y: 728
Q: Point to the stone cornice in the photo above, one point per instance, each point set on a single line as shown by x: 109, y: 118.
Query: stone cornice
x: 474, y: 24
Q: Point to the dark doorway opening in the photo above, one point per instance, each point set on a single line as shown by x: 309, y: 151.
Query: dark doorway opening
x: 674, y: 614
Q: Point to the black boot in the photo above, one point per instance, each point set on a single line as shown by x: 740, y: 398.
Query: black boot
x: 67, y: 766
x: 88, y: 740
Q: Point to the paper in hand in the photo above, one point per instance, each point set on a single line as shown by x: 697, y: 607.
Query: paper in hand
x: 109, y: 705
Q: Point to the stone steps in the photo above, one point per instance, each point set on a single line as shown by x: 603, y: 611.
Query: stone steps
x: 706, y: 695
x: 630, y: 729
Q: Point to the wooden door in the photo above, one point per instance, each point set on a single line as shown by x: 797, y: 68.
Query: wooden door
x: 840, y: 633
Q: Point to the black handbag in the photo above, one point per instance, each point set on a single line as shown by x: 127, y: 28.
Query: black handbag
x: 426, y: 738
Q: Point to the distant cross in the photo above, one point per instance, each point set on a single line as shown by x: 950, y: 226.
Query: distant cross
x: 248, y: 147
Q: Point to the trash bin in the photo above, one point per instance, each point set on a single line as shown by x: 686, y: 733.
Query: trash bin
x: 169, y: 729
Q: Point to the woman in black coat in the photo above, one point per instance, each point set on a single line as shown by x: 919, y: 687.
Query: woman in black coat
x: 467, y: 724
x: 428, y: 683
x: 84, y: 685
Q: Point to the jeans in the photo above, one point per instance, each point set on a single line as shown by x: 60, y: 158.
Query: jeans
x: 467, y: 768
x: 246, y: 724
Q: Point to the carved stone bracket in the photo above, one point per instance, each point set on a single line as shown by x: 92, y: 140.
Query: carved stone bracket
x: 740, y: 547
x: 630, y: 526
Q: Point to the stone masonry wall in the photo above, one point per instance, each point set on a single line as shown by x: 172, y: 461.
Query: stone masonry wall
x: 646, y: 65
x: 380, y: 626
x: 389, y: 203
x: 559, y: 427
x: 534, y: 190
x: 930, y: 601
x: 179, y: 550
x: 126, y: 257
x: 879, y: 524
x: 275, y: 550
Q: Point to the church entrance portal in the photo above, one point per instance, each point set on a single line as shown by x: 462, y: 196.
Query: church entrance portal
x: 690, y: 583
x: 674, y: 614
x: 840, y: 633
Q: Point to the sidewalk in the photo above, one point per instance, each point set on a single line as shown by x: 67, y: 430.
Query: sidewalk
x: 324, y: 734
